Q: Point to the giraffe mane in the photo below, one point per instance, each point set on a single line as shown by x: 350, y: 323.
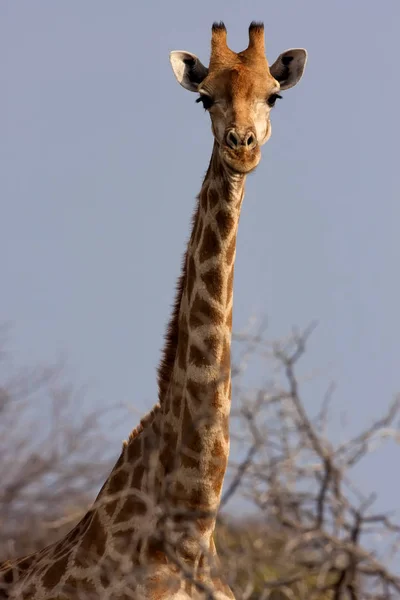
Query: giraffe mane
x: 146, y: 420
x: 164, y: 371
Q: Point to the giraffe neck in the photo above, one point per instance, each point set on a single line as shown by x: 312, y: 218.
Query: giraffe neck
x: 231, y: 186
x: 196, y: 404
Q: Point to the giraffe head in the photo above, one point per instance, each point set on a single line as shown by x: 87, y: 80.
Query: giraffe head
x: 239, y: 90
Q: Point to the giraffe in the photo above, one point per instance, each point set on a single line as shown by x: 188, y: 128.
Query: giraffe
x: 149, y: 533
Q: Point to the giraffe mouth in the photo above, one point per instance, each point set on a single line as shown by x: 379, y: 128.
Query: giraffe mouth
x: 241, y: 160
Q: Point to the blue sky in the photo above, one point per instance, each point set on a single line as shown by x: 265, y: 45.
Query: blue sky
x: 103, y: 153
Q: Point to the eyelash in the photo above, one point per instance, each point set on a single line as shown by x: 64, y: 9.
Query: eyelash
x: 206, y: 100
x: 272, y: 99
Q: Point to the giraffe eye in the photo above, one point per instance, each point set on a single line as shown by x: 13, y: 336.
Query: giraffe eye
x: 206, y: 100
x: 272, y: 99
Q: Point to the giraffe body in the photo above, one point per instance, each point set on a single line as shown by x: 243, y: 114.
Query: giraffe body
x: 149, y: 534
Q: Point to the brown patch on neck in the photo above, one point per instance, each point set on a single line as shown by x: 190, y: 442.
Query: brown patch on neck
x: 54, y: 573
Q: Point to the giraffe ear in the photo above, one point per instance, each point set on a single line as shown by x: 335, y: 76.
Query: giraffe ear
x: 289, y: 67
x: 188, y: 69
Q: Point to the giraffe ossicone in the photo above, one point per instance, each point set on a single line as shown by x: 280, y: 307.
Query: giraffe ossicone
x: 149, y: 534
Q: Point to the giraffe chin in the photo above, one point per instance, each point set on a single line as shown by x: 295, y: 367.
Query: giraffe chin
x: 241, y: 161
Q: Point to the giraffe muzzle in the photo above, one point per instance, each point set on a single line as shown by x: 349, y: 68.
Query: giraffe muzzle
x: 236, y: 140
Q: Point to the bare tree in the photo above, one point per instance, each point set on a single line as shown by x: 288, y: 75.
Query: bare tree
x: 53, y: 457
x: 312, y: 533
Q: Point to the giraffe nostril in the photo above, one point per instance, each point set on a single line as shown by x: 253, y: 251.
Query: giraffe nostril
x: 232, y: 139
x: 250, y: 140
